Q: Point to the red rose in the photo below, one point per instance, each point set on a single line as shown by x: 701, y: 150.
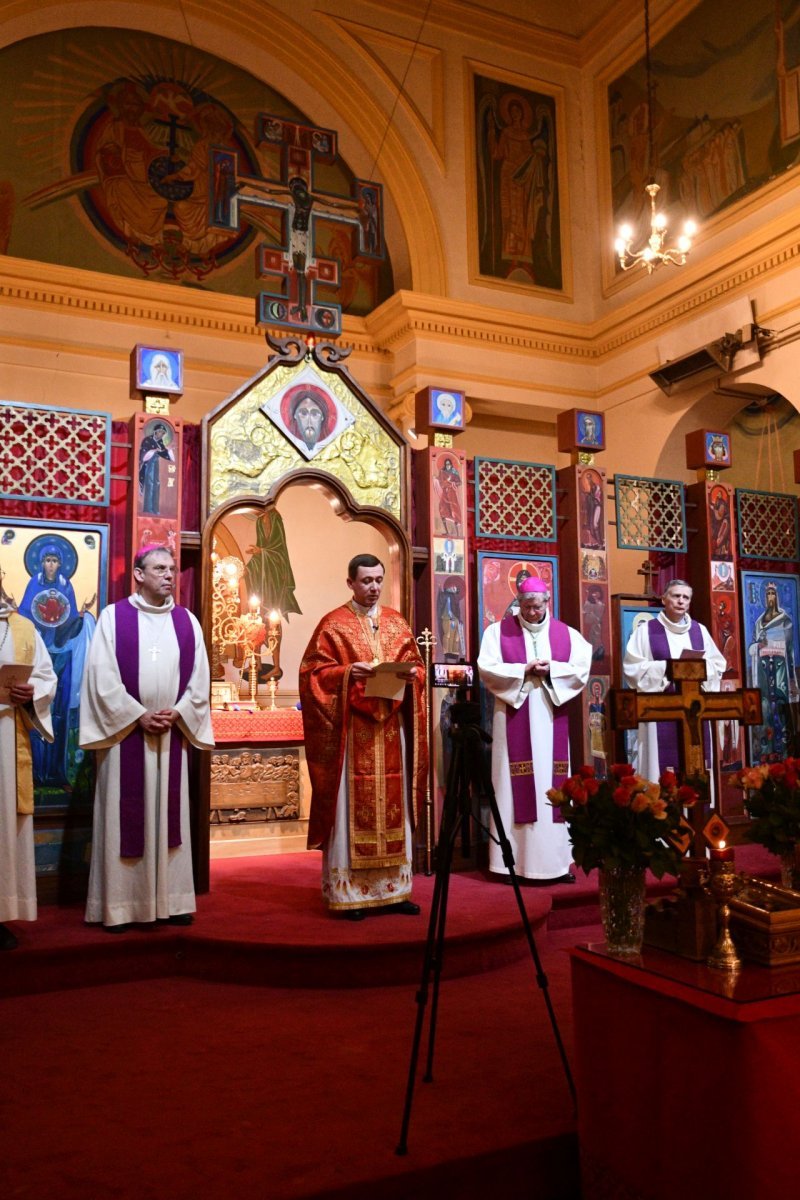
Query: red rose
x: 592, y: 786
x: 777, y: 770
x: 622, y: 797
x: 586, y: 772
x: 687, y: 796
x: 620, y: 770
x: 668, y: 779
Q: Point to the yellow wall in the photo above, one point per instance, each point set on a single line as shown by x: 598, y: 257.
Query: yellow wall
x: 66, y: 335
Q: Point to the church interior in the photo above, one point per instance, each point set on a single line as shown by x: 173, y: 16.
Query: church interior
x: 282, y: 283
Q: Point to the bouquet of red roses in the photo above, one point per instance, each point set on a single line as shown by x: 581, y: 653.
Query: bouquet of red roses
x: 773, y: 803
x: 625, y: 821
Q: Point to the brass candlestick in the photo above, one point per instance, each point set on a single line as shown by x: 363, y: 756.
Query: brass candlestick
x: 722, y: 881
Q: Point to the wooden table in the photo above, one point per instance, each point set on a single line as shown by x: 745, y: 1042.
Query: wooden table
x: 688, y: 1082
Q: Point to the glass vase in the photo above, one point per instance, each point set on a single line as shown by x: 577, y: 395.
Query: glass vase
x: 790, y: 869
x: 622, y: 909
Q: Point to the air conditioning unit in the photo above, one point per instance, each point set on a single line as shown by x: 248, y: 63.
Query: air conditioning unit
x: 709, y: 363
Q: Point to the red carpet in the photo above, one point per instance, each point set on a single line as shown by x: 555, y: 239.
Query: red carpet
x: 202, y: 1073
x: 264, y: 922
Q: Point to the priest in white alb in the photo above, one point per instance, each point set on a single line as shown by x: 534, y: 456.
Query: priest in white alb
x: 24, y: 705
x: 145, y: 695
x: 644, y: 667
x: 533, y: 665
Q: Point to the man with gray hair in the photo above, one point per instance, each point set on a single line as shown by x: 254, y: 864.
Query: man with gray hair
x: 145, y: 695
x: 533, y: 665
x: 644, y: 667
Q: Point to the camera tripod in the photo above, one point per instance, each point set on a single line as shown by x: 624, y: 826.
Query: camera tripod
x: 467, y: 768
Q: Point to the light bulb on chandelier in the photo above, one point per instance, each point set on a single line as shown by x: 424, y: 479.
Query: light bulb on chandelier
x: 655, y: 251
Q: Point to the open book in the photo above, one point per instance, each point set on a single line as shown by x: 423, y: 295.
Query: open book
x: 389, y: 680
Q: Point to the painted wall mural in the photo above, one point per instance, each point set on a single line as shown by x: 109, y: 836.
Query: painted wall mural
x: 107, y: 154
x: 518, y: 198
x: 726, y: 111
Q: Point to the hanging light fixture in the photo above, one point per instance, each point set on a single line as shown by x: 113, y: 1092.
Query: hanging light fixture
x: 655, y: 252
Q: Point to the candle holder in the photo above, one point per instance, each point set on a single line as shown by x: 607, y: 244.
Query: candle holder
x: 723, y: 884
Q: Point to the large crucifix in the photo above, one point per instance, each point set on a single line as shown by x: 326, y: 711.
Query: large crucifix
x: 689, y: 706
x: 294, y: 195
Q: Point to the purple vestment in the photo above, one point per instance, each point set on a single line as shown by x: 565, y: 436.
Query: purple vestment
x: 131, y: 763
x: 518, y: 725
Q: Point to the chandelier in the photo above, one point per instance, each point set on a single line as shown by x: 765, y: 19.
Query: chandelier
x: 655, y: 251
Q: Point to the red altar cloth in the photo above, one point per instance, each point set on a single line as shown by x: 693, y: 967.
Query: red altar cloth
x: 276, y: 726
x: 683, y: 1090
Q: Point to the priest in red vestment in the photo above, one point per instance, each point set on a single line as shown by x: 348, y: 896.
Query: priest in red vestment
x: 367, y: 756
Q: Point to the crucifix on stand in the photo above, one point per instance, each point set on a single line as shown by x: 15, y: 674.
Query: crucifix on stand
x: 689, y: 707
x: 686, y: 924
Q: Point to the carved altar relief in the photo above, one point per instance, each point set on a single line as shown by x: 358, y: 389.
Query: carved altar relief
x: 256, y: 783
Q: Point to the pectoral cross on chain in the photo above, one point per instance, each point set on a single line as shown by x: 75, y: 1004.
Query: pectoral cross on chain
x: 154, y: 653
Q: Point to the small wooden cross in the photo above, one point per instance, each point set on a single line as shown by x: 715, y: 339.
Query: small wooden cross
x: 689, y: 706
x: 649, y: 571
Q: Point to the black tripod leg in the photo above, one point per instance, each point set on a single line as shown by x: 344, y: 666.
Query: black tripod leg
x: 541, y: 977
x: 434, y: 943
x: 446, y: 844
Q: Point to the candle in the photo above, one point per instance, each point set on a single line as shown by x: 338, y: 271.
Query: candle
x: 255, y: 603
x: 722, y: 852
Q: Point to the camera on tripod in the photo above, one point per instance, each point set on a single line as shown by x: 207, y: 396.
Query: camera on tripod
x: 463, y: 711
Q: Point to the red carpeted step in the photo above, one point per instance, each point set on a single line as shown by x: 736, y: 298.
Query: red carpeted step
x: 264, y: 923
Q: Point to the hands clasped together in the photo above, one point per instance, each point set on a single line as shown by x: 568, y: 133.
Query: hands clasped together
x: 158, y: 721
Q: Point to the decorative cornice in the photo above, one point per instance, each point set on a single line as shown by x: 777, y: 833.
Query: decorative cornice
x: 409, y: 316
x: 142, y: 302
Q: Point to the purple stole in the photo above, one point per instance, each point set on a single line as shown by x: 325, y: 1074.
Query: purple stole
x: 669, y: 753
x: 131, y: 761
x: 518, y: 725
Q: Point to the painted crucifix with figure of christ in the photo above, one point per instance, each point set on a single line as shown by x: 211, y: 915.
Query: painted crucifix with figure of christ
x: 300, y: 202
